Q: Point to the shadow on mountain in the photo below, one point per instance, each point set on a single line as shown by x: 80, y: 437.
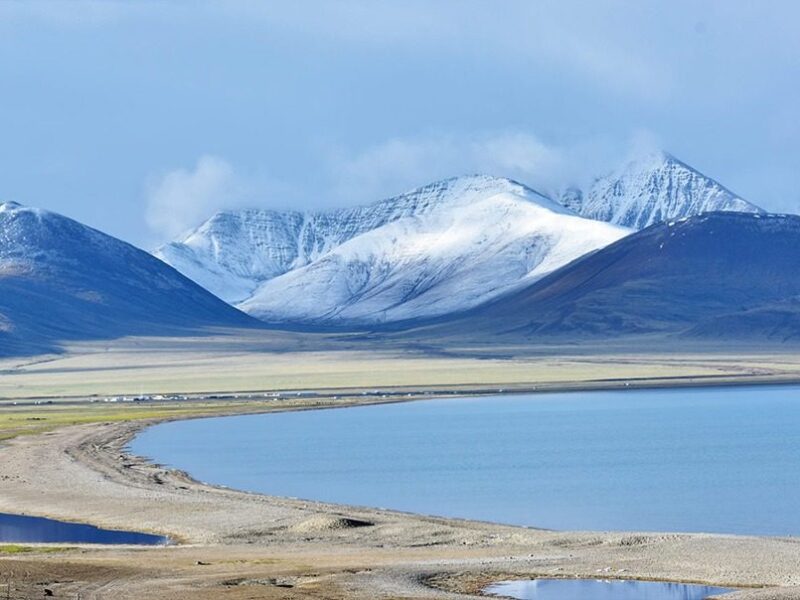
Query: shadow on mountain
x: 62, y: 281
x: 714, y: 276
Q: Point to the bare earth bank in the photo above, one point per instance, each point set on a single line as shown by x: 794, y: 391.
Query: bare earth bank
x: 239, y: 545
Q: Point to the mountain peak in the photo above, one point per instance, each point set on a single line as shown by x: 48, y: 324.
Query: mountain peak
x: 472, y: 182
x: 464, y: 190
x: 9, y: 206
x: 655, y: 160
x: 653, y: 187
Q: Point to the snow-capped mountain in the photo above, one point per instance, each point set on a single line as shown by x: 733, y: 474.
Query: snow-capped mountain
x: 62, y: 280
x: 657, y: 187
x: 234, y: 252
x: 441, y: 248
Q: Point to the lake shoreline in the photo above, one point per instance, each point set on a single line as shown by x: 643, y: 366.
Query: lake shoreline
x: 638, y: 460
x: 84, y: 473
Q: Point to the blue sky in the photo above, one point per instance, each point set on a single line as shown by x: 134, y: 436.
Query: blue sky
x: 142, y: 118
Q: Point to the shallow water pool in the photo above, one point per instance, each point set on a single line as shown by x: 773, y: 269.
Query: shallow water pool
x: 24, y: 529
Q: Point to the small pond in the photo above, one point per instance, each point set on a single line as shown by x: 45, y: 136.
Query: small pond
x: 24, y: 529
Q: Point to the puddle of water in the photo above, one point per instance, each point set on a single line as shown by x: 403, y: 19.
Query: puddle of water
x: 21, y: 529
x: 601, y: 589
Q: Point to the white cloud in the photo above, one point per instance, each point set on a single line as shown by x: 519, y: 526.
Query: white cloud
x: 401, y: 164
x: 182, y: 198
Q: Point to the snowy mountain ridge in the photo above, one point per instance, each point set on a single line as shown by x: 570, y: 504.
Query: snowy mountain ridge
x: 443, y: 247
x: 423, y: 266
x: 233, y: 252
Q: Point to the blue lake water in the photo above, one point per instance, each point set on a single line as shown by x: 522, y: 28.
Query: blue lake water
x: 709, y: 459
x: 25, y: 529
x: 595, y: 589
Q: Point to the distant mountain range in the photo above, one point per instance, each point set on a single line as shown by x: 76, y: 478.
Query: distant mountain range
x: 657, y: 249
x: 60, y: 280
x: 717, y: 275
x: 442, y: 248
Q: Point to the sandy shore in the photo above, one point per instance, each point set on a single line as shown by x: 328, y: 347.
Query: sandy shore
x: 239, y: 545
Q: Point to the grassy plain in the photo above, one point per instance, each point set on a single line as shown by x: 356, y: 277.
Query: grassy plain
x: 249, y: 364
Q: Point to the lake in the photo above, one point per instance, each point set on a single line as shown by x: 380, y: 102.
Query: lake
x: 721, y: 460
x: 601, y: 589
x: 26, y: 529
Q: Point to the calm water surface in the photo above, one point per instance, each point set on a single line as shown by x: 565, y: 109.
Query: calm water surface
x: 22, y: 529
x: 711, y: 459
x: 595, y: 589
